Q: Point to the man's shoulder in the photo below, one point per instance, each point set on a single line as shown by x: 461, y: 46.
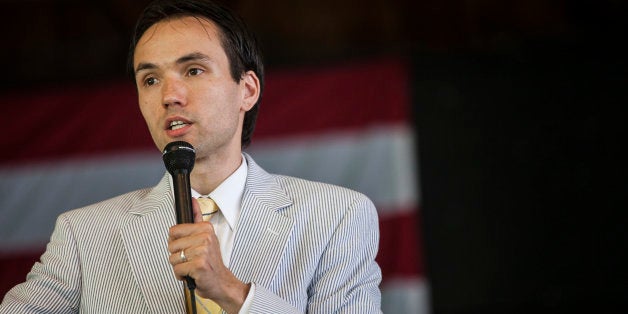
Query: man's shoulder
x: 309, y: 184
x: 320, y: 207
x: 113, y: 206
x: 310, y: 190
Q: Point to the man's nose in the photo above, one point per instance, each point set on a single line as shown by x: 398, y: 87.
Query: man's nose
x: 173, y: 92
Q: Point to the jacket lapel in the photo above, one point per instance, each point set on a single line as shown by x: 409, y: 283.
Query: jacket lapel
x: 145, y: 241
x: 263, y: 230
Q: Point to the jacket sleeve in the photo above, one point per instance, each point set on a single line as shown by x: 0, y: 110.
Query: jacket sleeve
x: 53, y: 284
x: 266, y: 301
x: 347, y: 278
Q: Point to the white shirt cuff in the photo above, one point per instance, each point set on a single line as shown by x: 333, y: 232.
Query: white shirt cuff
x: 248, y: 301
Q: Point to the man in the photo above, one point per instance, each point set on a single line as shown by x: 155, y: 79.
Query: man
x: 276, y: 245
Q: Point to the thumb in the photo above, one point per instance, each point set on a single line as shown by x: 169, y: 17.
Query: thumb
x: 196, y: 209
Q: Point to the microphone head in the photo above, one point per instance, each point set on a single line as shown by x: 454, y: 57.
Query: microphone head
x: 179, y: 156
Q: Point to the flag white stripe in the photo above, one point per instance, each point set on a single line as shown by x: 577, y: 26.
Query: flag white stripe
x: 377, y: 162
x: 33, y: 196
x: 406, y: 295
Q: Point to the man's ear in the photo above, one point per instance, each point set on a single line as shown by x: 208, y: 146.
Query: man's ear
x: 251, y: 90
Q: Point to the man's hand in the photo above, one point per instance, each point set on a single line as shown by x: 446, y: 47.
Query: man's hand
x: 204, y: 263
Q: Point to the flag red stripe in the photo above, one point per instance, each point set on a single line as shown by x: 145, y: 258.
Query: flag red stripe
x: 400, y: 246
x: 340, y: 98
x: 92, y: 120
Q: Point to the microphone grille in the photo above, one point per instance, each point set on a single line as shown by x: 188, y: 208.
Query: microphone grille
x: 179, y: 155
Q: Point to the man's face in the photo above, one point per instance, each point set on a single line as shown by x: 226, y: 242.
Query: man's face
x: 185, y: 88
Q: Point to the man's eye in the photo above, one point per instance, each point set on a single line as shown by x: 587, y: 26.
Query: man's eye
x: 194, y: 71
x: 150, y: 81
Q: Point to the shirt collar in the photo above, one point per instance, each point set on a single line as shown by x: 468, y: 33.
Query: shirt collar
x: 228, y: 195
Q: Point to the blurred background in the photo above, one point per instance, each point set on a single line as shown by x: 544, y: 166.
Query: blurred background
x: 508, y: 113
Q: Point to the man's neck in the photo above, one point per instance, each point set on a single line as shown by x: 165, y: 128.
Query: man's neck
x: 209, y: 172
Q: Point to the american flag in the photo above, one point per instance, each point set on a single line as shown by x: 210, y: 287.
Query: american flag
x: 349, y: 124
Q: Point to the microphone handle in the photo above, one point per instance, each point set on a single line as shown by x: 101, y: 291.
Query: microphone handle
x: 183, y: 205
x: 182, y: 196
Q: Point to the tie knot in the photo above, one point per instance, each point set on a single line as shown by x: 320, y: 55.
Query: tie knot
x: 208, y: 207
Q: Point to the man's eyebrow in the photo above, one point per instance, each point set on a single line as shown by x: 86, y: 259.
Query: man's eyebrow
x: 144, y: 66
x: 194, y: 56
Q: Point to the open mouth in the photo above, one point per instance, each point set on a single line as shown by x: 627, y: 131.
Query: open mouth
x: 175, y: 125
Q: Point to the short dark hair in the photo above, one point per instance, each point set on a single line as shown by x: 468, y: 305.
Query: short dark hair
x: 239, y: 43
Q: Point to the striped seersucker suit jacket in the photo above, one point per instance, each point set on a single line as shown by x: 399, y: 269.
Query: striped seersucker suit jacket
x: 307, y: 247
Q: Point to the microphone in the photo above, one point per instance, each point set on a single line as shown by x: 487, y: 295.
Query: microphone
x: 179, y: 160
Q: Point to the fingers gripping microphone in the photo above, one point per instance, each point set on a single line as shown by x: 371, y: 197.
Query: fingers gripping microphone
x: 179, y: 160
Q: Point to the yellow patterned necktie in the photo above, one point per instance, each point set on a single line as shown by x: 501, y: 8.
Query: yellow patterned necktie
x: 208, y: 208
